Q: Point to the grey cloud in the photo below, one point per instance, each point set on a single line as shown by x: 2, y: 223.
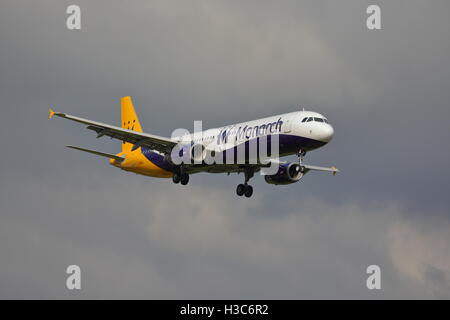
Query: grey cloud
x: 132, y: 240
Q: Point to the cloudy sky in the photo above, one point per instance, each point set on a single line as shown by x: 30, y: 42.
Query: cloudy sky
x: 386, y: 93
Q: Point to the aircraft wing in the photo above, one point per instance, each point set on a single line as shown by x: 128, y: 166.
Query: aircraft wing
x: 308, y: 167
x: 332, y: 169
x: 138, y: 139
x: 224, y: 168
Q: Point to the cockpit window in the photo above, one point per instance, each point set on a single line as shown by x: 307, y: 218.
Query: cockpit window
x: 315, y: 119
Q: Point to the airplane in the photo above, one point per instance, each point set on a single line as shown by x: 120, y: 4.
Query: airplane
x: 151, y: 155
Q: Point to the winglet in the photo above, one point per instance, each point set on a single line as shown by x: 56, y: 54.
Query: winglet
x: 335, y: 170
x: 51, y: 113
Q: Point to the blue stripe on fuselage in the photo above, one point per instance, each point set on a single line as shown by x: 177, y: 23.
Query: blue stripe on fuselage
x: 157, y: 159
x: 289, y: 144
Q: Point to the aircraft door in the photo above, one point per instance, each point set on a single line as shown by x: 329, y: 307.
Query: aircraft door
x: 287, y: 126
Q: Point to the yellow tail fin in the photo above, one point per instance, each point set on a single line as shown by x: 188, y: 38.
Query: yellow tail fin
x: 129, y: 119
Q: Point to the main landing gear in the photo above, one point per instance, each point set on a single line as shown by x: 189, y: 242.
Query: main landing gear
x: 246, y: 189
x: 180, y: 176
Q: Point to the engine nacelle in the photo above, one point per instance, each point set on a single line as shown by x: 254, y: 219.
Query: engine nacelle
x: 287, y: 173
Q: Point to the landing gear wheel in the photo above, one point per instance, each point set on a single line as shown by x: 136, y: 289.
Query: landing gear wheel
x: 184, y: 179
x: 245, y: 189
x: 240, y: 190
x: 176, y: 177
x: 248, y: 191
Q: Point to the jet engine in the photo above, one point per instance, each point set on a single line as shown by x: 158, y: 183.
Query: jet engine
x: 287, y: 173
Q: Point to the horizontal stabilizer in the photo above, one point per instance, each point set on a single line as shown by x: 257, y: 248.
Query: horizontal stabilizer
x: 102, y: 154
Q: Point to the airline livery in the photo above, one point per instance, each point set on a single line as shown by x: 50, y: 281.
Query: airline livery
x: 246, y: 147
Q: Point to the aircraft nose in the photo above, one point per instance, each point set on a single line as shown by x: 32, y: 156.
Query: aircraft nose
x: 326, y: 133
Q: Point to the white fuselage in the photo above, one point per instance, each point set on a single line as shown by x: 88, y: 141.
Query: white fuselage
x: 305, y: 130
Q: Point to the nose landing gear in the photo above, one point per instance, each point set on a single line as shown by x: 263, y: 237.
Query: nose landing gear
x: 301, y: 154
